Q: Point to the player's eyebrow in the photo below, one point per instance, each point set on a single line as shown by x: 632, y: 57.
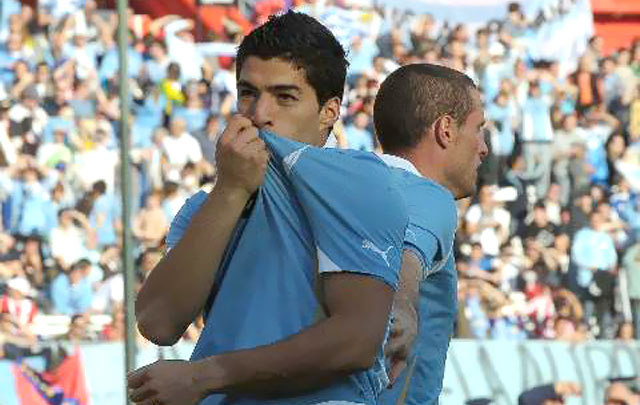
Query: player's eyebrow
x: 272, y: 88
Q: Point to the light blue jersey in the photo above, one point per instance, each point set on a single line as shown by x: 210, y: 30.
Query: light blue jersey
x: 319, y: 210
x: 430, y: 236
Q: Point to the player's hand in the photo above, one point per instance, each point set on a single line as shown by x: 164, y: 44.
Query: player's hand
x: 241, y: 156
x: 403, y: 333
x: 165, y: 382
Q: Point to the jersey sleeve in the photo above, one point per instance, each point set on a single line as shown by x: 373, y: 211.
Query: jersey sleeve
x: 432, y: 224
x: 356, y: 214
x: 424, y: 245
x: 183, y: 218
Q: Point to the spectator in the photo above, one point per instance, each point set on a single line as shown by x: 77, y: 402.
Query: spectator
x: 71, y: 239
x: 358, y: 137
x: 550, y: 394
x: 79, y: 329
x: 180, y: 147
x: 105, y: 216
x: 631, y: 267
x: 208, y: 140
x: 619, y: 394
x: 109, y: 290
x: 594, y: 254
x: 28, y: 205
x: 540, y: 229
x: 487, y: 222
x: 71, y: 291
x: 19, y: 307
x: 156, y: 67
x: 537, y: 136
x: 150, y: 225
x: 625, y: 332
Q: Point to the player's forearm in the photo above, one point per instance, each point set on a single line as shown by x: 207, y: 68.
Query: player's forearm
x: 409, y: 288
x: 177, y: 288
x: 327, y: 351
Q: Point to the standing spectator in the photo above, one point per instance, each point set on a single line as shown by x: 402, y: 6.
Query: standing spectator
x: 537, y: 136
x: 71, y: 291
x: 595, y: 257
x: 501, y: 115
x: 589, y: 85
x: 71, y: 239
x: 85, y: 162
x: 105, y: 216
x: 28, y: 205
x: 631, y: 267
x: 156, y: 67
x: 566, y: 148
x: 193, y: 111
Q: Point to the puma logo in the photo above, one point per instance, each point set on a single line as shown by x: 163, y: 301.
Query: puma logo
x: 367, y: 244
x: 292, y: 158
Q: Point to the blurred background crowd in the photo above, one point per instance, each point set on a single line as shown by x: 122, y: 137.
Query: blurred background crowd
x: 548, y: 249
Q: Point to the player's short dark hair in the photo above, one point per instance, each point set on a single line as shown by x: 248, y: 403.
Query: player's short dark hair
x: 413, y: 97
x: 307, y: 44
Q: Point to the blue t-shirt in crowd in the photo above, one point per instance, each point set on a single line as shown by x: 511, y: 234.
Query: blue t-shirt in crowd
x: 106, y: 211
x: 318, y: 211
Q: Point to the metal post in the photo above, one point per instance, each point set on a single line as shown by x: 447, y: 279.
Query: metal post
x: 125, y: 185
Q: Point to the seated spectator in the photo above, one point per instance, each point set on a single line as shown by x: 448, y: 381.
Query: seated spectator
x: 487, y: 222
x: 625, y: 332
x: 109, y: 289
x: 540, y: 229
x: 79, y: 329
x: 20, y: 308
x: 71, y: 291
x: 358, y: 137
x: 32, y: 262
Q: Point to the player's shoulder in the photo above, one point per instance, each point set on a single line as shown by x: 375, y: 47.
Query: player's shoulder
x: 183, y: 218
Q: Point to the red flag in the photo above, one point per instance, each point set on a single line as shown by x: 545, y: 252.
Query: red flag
x: 30, y: 388
x: 69, y: 376
x: 63, y: 385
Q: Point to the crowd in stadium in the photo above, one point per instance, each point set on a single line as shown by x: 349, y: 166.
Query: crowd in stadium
x: 548, y: 249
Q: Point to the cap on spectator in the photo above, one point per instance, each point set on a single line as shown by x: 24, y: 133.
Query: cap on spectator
x: 30, y: 93
x: 19, y: 284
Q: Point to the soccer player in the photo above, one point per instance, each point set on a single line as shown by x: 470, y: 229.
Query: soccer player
x: 297, y: 305
x: 429, y: 120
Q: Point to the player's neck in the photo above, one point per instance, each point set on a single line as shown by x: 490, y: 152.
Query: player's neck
x: 429, y: 165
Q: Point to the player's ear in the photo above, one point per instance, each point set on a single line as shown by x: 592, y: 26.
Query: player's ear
x: 329, y: 113
x: 444, y: 130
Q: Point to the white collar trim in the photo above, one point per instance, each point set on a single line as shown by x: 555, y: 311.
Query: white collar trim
x: 400, y: 163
